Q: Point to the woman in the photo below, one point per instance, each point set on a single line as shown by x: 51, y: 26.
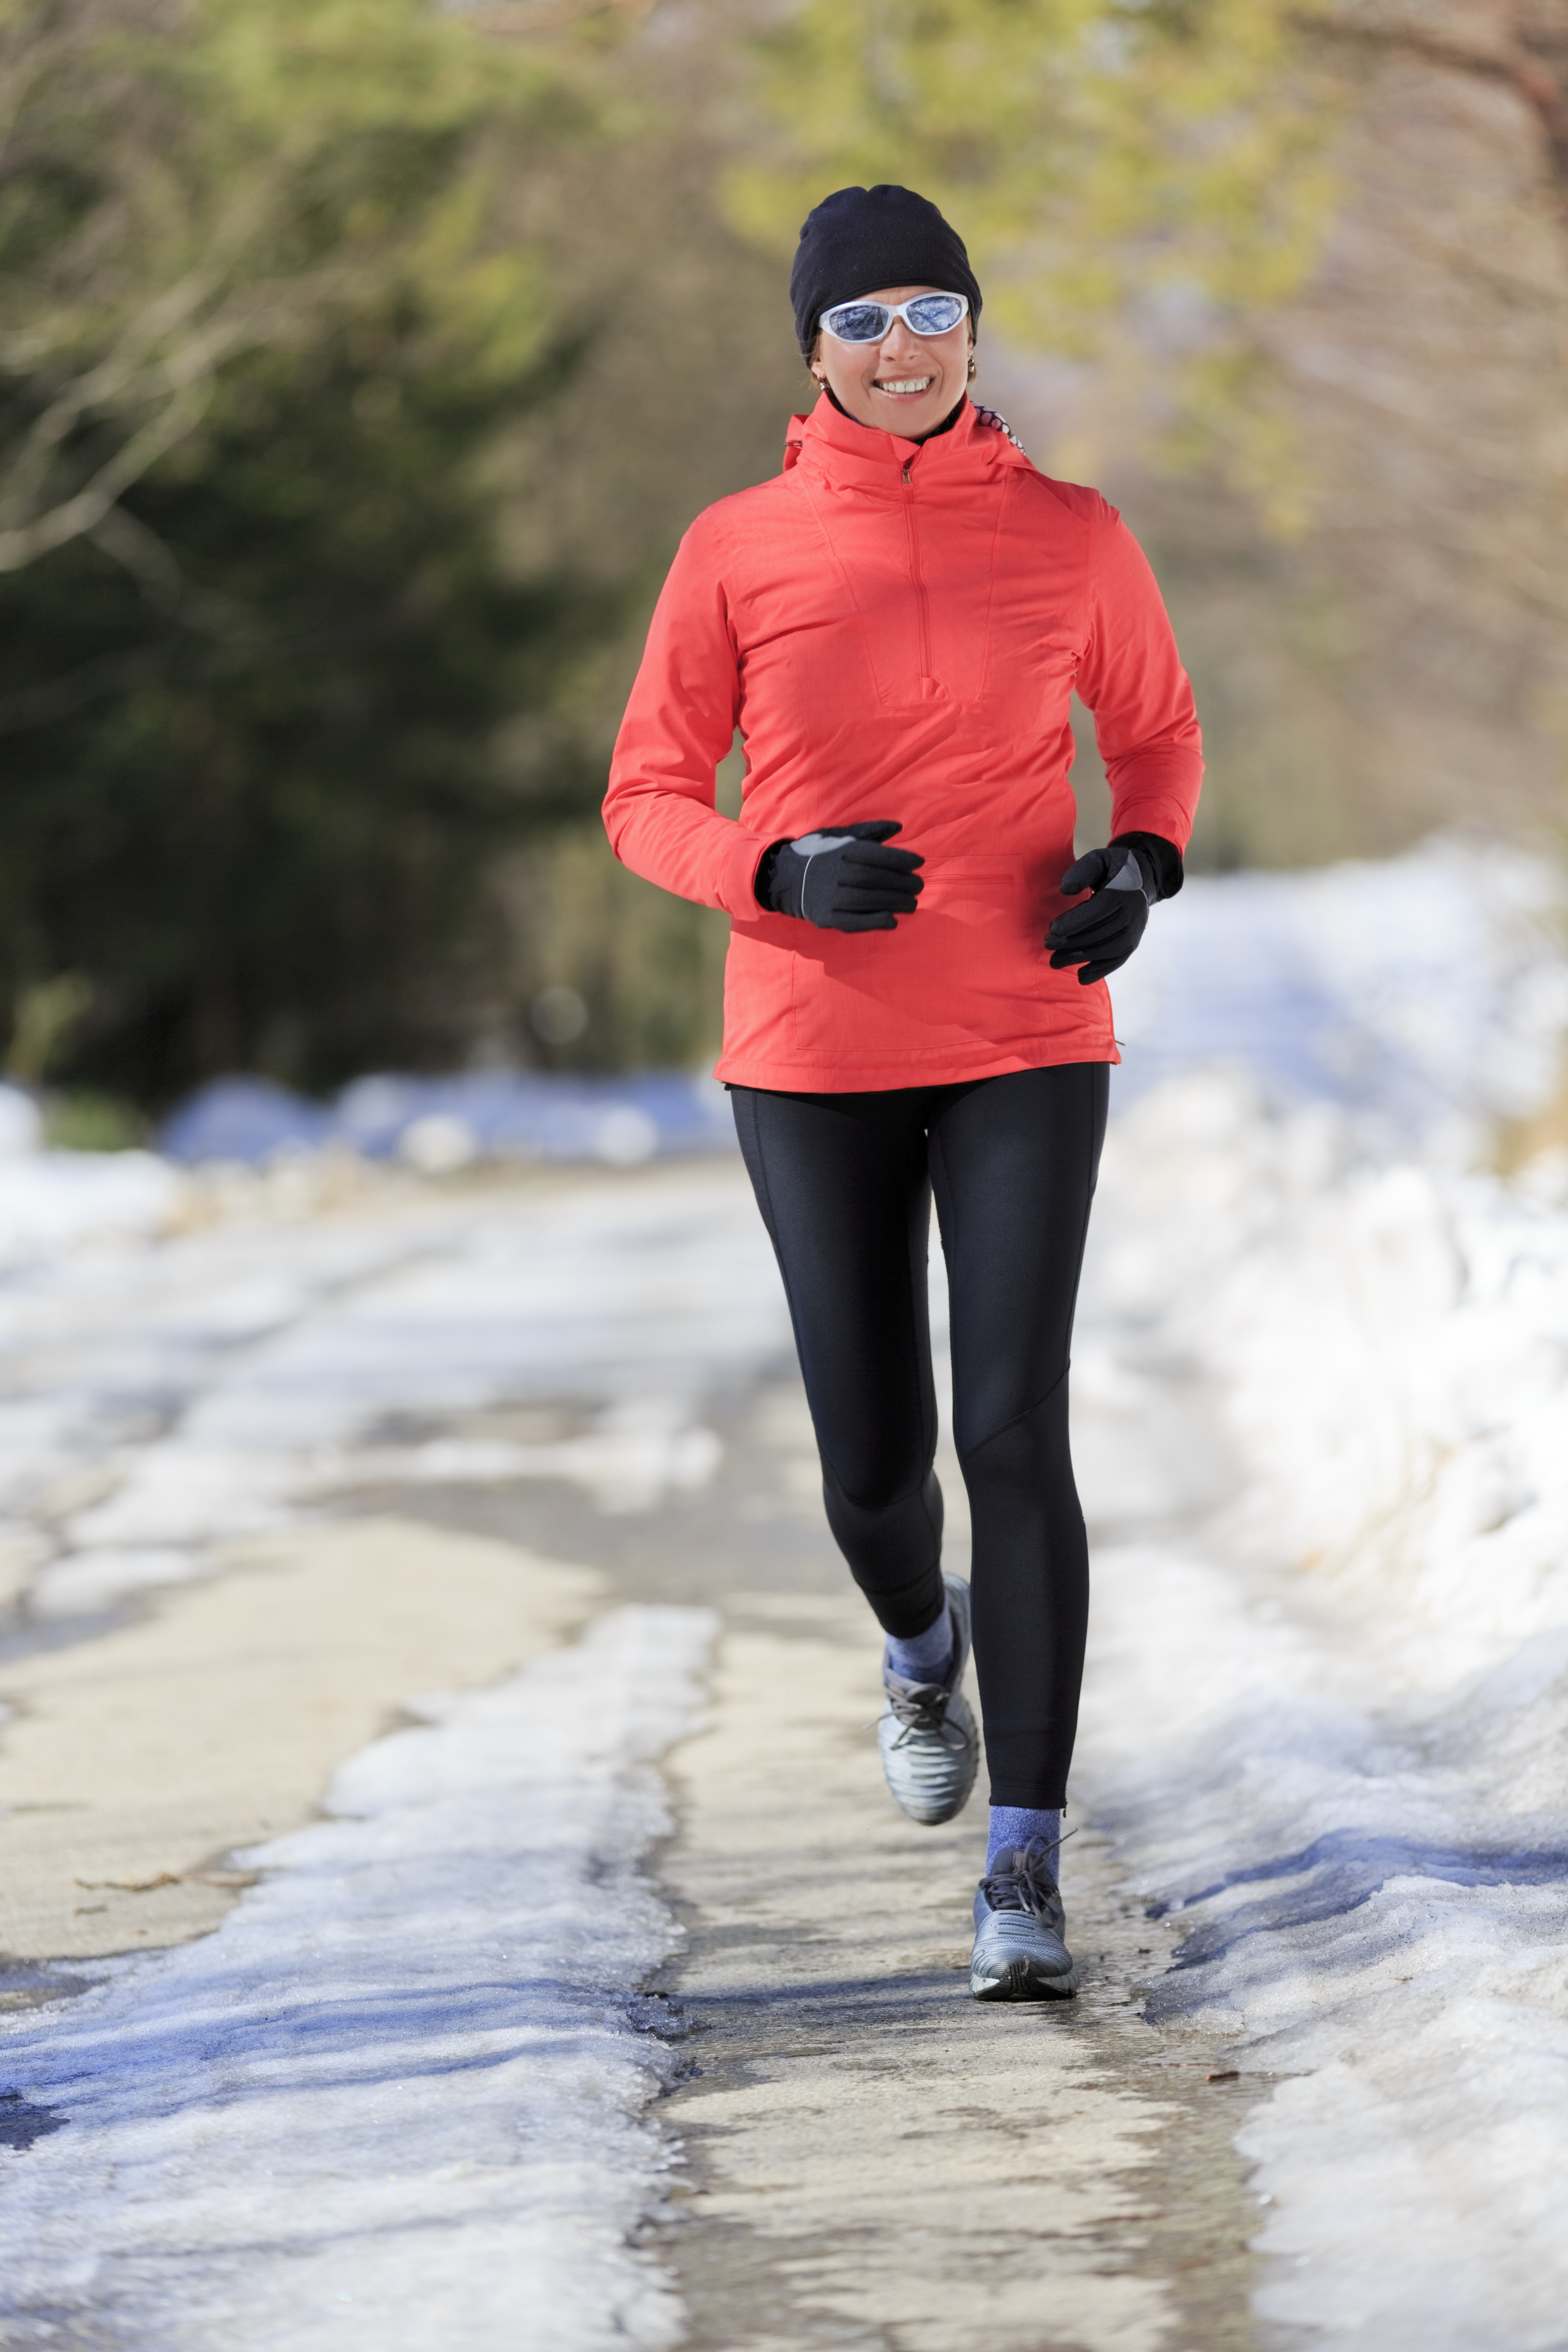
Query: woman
x: 897, y: 624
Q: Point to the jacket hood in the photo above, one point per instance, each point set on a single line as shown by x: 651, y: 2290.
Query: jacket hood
x: 844, y: 451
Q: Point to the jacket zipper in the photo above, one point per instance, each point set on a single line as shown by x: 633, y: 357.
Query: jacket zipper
x: 915, y: 573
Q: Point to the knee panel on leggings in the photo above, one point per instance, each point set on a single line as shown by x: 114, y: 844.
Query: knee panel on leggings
x: 894, y: 1551
x: 1031, y: 1599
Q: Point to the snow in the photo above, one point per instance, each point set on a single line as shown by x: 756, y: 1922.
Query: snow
x: 1326, y: 1718
x: 1422, y: 994
x: 52, y: 1201
x: 21, y: 1123
x: 326, y: 2121
x: 439, y: 1124
x: 406, y: 2077
x: 231, y: 1378
x: 1322, y: 1420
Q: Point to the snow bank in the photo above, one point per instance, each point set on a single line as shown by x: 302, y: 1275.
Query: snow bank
x: 438, y: 1125
x: 1424, y: 994
x: 1328, y: 1725
x: 21, y: 1123
x: 399, y: 2097
x: 53, y: 1201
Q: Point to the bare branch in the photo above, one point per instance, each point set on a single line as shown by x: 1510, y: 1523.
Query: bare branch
x: 112, y: 381
x: 150, y: 562
x: 76, y: 516
x: 181, y: 382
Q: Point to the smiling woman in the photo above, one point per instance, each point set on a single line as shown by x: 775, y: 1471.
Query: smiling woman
x: 896, y: 624
x: 906, y: 351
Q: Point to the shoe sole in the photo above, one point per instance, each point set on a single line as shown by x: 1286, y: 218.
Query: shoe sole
x: 1025, y: 1980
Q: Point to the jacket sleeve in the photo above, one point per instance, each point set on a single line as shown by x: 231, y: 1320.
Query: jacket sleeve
x: 1131, y: 676
x: 679, y: 722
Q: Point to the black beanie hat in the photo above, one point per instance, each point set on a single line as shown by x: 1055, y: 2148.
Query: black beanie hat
x: 861, y: 238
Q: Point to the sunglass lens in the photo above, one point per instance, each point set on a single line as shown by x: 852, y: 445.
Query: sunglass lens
x: 935, y: 314
x: 858, y: 322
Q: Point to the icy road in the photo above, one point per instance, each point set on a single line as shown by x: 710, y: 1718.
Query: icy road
x: 448, y: 1892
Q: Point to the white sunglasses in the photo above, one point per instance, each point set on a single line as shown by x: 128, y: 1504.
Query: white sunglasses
x: 868, y: 322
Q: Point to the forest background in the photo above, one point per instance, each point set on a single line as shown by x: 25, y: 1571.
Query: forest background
x: 361, y: 364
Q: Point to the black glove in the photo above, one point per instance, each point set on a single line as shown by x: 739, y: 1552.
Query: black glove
x: 841, y: 878
x: 1100, y: 934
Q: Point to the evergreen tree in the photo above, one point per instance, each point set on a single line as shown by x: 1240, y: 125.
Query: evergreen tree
x: 263, y: 654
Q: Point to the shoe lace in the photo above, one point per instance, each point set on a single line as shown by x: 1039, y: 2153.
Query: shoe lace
x: 1030, y: 1884
x: 922, y: 1707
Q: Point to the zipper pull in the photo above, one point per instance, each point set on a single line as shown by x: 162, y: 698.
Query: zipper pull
x: 907, y: 463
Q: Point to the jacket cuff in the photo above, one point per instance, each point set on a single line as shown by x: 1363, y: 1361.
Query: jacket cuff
x: 737, y: 883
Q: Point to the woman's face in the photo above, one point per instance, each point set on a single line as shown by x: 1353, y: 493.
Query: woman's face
x: 906, y: 383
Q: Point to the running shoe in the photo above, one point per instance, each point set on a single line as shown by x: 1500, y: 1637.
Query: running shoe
x: 1020, y: 1954
x: 928, y: 1737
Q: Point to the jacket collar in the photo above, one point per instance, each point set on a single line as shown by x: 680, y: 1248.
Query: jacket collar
x: 848, y: 455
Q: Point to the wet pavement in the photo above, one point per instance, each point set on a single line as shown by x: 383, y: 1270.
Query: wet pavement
x: 868, y: 2157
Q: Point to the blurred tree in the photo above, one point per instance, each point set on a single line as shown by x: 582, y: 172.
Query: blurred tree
x: 1421, y: 366
x: 685, y: 378
x: 265, y: 321
x: 359, y: 368
x: 1304, y: 267
x: 1125, y: 174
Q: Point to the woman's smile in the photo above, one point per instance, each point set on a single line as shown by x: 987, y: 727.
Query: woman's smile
x: 907, y: 384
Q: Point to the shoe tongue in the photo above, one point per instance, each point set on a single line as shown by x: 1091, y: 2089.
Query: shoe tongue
x: 1015, y: 1867
x: 919, y: 1706
x: 1002, y: 1890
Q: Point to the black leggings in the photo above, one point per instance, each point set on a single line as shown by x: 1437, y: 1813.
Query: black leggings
x: 845, y: 1185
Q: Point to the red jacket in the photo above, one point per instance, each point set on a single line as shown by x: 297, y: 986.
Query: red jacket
x: 897, y: 628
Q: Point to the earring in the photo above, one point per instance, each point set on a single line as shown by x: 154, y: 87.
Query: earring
x: 973, y: 371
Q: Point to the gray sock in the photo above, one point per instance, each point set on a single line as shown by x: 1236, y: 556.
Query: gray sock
x: 926, y: 1657
x: 1013, y: 1826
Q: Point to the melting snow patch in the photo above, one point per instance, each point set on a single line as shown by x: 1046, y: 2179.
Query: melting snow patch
x: 400, y: 2096
x: 168, y: 1396
x: 52, y: 1201
x: 1425, y: 993
x: 642, y: 1450
x: 1328, y: 1719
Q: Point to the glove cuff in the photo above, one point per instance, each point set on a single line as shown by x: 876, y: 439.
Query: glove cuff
x: 762, y: 884
x: 1160, y: 862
